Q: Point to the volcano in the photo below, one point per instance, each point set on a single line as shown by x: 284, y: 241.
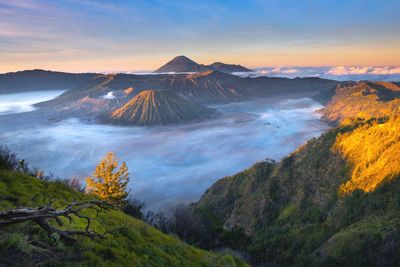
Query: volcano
x: 159, y: 107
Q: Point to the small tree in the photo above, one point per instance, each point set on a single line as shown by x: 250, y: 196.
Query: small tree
x: 108, y: 181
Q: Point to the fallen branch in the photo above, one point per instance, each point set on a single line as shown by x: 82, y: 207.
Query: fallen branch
x: 41, y: 216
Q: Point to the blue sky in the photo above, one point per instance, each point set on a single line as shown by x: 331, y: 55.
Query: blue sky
x: 80, y: 35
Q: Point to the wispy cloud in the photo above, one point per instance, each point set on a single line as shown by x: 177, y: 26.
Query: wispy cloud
x: 97, y: 4
x: 22, y: 4
x: 354, y: 70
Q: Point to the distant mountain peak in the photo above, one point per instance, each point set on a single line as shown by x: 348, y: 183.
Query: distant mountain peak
x: 185, y: 64
x: 182, y: 58
x: 181, y: 64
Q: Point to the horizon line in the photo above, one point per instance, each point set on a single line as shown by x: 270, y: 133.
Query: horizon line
x: 251, y: 68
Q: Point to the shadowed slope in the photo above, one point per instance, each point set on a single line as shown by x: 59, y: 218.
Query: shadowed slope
x: 40, y: 80
x: 157, y: 107
x: 229, y: 68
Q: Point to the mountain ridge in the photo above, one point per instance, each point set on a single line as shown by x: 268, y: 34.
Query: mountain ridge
x: 204, y: 87
x: 40, y: 80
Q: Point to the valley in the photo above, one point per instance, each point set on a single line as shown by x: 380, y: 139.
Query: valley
x: 183, y: 134
x: 187, y: 158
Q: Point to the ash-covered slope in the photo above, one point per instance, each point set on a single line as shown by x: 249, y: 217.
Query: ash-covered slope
x: 159, y: 107
x: 40, y: 80
x: 213, y: 87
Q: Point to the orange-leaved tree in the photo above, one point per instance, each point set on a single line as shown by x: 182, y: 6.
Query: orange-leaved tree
x: 108, y: 181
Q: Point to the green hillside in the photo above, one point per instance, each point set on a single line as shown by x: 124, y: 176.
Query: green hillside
x: 128, y: 242
x: 333, y: 202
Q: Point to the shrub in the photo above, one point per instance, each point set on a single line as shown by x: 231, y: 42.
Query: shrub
x: 8, y: 160
x: 134, y: 208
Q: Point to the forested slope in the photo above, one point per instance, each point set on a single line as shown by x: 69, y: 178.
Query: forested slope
x: 333, y: 202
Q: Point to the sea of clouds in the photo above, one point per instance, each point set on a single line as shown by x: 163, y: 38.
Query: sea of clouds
x: 341, y: 73
x: 173, y: 164
x: 17, y: 102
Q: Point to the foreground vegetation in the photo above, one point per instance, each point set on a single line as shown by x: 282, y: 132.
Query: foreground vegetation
x: 127, y: 241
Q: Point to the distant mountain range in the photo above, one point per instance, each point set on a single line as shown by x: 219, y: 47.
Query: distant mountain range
x: 205, y: 87
x: 40, y: 80
x: 90, y: 95
x: 159, y: 107
x: 91, y: 98
x: 184, y: 64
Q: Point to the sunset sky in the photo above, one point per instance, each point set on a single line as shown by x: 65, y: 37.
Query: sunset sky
x: 95, y: 35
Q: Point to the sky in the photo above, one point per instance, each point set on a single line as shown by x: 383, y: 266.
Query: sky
x: 141, y: 35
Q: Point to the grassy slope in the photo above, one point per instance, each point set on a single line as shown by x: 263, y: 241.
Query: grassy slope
x: 295, y: 214
x: 373, y: 152
x: 132, y: 242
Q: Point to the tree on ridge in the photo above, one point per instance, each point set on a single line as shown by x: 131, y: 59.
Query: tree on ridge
x: 108, y: 181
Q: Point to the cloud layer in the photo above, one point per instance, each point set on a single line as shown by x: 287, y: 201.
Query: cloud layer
x: 342, y: 73
x: 14, y: 103
x: 170, y: 164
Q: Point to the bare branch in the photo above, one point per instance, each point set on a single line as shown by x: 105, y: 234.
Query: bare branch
x: 41, y: 215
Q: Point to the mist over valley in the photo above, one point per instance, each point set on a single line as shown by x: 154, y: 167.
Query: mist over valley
x: 168, y: 164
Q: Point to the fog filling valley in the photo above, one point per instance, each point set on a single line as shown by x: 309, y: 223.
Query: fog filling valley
x: 16, y: 103
x: 167, y: 165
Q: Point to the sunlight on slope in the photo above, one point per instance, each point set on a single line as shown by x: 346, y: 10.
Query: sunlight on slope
x: 374, y: 152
